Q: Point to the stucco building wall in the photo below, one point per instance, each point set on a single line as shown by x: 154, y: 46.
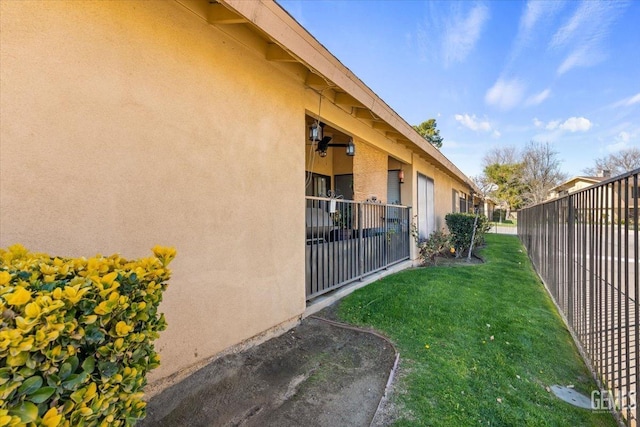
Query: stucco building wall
x: 443, y: 187
x: 370, y: 173
x: 130, y: 124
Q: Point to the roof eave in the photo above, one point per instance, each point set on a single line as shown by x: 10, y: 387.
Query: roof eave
x: 271, y: 19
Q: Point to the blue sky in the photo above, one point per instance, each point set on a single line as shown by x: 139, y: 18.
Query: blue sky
x: 496, y: 73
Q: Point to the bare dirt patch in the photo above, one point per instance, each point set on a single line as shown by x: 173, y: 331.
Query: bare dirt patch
x: 317, y: 374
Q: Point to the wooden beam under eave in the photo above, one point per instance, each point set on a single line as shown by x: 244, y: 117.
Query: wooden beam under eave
x: 404, y: 141
x: 218, y: 14
x: 380, y: 126
x: 393, y: 135
x: 316, y: 81
x: 364, y: 113
x: 276, y: 53
x: 345, y: 99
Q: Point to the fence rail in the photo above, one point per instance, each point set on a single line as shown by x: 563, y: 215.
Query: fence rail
x: 585, y: 248
x: 347, y: 240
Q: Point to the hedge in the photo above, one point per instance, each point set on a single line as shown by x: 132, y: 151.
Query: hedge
x: 461, y: 227
x: 76, y: 336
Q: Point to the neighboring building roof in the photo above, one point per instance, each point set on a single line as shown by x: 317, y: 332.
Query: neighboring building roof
x: 571, y: 183
x: 288, y: 41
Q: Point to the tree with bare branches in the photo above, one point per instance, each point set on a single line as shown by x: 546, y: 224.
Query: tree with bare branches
x: 506, y: 155
x: 541, y: 172
x: 521, y: 178
x: 618, y: 163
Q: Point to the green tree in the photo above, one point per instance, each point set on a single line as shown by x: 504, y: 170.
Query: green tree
x: 516, y: 179
x: 429, y: 132
x: 508, y: 178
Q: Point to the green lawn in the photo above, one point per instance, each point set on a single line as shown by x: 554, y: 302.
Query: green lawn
x: 479, y: 344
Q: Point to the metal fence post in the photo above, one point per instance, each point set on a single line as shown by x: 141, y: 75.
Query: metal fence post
x: 571, y: 223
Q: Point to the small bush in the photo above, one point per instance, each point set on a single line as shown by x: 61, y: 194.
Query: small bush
x: 76, y: 337
x: 436, y: 244
x: 460, y: 227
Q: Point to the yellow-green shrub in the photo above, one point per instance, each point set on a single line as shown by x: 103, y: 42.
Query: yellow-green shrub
x: 76, y: 336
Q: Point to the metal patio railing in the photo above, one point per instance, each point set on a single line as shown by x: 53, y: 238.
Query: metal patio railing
x: 585, y: 248
x: 348, y: 240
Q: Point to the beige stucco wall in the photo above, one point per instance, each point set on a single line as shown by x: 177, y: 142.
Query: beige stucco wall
x: 369, y: 173
x: 579, y: 185
x: 130, y: 124
x: 342, y: 164
x: 444, y: 185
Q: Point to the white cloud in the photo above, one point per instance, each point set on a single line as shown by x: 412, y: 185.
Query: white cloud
x: 505, y: 94
x: 535, y: 17
x: 583, y: 34
x: 473, y: 123
x: 496, y: 134
x: 634, y: 99
x: 580, y: 57
x: 552, y: 125
x: 572, y: 27
x: 627, y: 102
x: 572, y: 124
x: 624, y: 136
x: 461, y: 33
x: 535, y: 12
x: 576, y: 124
x: 621, y: 142
x: 538, y: 98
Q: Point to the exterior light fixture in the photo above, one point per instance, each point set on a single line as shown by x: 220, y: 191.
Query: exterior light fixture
x: 401, y: 176
x: 324, y: 145
x: 315, y: 131
x: 351, y: 148
x: 316, y: 135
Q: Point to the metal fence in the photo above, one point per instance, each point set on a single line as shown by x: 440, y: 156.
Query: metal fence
x: 348, y: 240
x: 585, y: 248
x: 503, y: 229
